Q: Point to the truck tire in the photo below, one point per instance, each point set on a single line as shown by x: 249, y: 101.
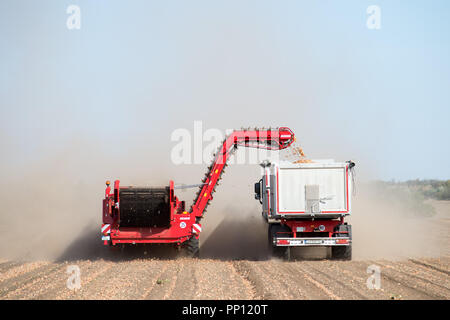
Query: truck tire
x: 287, y: 254
x: 192, y: 247
x: 275, y: 251
x: 342, y: 252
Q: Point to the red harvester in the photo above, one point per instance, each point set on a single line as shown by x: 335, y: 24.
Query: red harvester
x: 133, y: 215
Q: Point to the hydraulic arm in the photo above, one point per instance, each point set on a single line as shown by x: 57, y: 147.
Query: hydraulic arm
x: 271, y: 139
x: 133, y: 215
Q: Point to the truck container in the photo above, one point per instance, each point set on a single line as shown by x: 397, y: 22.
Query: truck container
x: 305, y: 204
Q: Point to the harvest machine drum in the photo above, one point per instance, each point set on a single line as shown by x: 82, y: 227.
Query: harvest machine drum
x: 144, y: 207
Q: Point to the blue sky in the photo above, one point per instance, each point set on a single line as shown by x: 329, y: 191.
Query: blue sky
x: 137, y: 70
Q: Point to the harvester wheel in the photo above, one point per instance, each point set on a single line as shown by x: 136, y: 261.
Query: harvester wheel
x: 116, y: 251
x: 192, y: 247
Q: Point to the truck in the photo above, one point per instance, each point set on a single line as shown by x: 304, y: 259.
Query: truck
x: 155, y: 215
x: 306, y: 204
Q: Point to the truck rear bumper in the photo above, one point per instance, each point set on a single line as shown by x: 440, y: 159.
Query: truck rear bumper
x: 311, y: 242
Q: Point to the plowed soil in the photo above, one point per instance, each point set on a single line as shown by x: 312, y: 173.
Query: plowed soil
x: 186, y: 278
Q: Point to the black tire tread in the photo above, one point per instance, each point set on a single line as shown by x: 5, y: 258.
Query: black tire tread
x: 279, y: 252
x: 192, y: 247
x: 341, y: 252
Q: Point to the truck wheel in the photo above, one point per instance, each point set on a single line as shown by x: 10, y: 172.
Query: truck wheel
x: 275, y: 251
x: 287, y: 254
x: 341, y: 252
x: 192, y: 247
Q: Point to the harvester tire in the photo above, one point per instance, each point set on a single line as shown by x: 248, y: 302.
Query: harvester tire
x: 116, y: 251
x: 192, y: 247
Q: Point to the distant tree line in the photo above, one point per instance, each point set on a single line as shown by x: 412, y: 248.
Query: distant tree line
x: 435, y: 189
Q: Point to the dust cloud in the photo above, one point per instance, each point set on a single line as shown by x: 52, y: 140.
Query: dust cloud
x: 51, y: 208
x: 238, y: 235
x: 55, y: 200
x: 392, y: 227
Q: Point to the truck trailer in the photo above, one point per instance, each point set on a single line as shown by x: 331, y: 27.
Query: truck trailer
x: 155, y: 215
x: 305, y: 205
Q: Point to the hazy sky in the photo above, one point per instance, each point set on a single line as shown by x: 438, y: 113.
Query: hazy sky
x: 137, y: 70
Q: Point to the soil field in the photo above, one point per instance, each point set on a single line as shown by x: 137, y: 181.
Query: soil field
x: 186, y: 278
